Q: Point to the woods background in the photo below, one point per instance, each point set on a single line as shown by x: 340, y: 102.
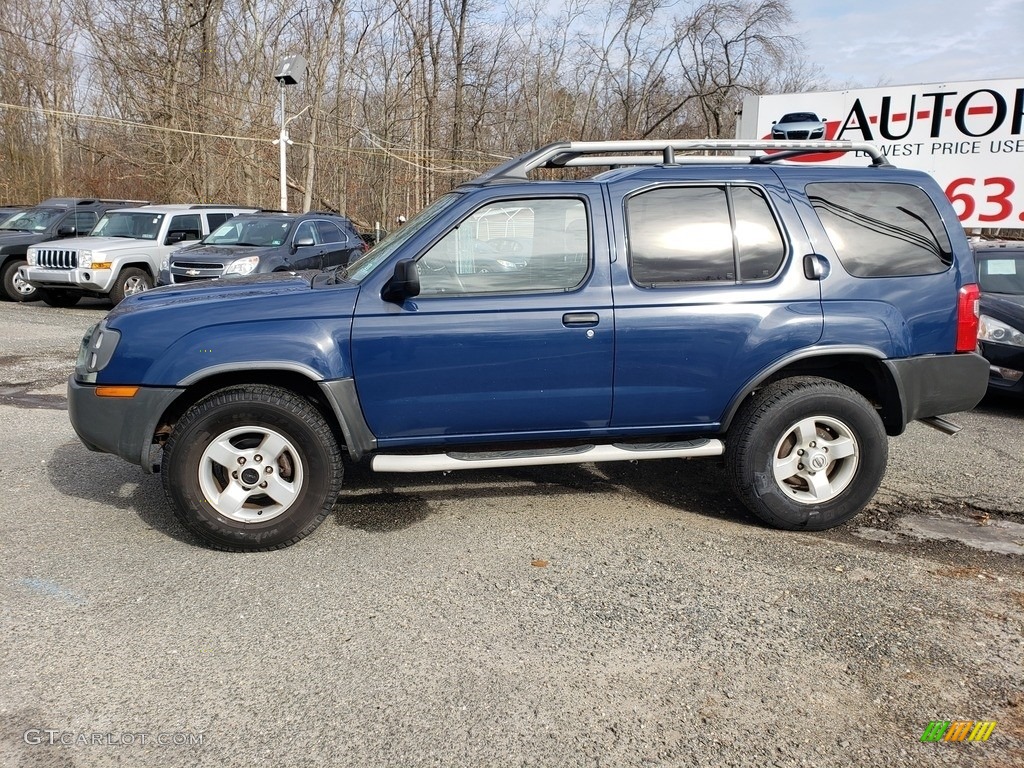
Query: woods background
x: 175, y: 100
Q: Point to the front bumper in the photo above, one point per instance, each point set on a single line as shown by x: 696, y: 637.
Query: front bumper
x: 1006, y: 362
x: 98, y: 280
x: 120, y: 425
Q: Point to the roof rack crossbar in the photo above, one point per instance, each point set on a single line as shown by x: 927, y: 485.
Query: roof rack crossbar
x: 596, y: 153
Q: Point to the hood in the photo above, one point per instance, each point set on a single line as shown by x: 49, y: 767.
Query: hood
x: 1005, y: 307
x: 202, y: 295
x: 103, y: 244
x: 217, y: 253
x: 9, y: 237
x: 194, y: 325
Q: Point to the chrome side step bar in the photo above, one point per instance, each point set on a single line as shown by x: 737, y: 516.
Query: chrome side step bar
x: 581, y: 454
x: 941, y: 424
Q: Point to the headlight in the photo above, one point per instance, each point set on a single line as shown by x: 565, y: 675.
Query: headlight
x: 990, y: 329
x: 85, y: 259
x: 32, y: 258
x: 97, y: 348
x: 165, y: 264
x: 242, y: 266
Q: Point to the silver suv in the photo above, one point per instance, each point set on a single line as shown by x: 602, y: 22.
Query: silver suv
x: 122, y: 254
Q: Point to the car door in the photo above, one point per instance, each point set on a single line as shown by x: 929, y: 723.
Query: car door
x: 511, y: 335
x: 336, y: 248
x: 711, y: 292
x: 308, y: 256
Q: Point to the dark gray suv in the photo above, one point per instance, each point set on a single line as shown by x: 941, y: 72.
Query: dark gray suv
x: 53, y: 219
x: 266, y: 242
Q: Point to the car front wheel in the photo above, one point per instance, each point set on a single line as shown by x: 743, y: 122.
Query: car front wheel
x: 15, y: 288
x: 129, y: 282
x: 252, y: 468
x: 806, y: 453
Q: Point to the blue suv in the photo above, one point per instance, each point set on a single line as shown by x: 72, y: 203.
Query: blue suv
x: 679, y: 304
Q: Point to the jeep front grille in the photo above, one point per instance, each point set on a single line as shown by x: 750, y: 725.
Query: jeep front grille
x: 57, y: 258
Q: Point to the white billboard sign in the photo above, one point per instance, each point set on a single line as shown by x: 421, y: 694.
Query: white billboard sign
x: 969, y: 136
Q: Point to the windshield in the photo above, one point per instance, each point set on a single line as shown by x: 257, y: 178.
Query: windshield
x: 1002, y: 274
x: 32, y: 220
x: 263, y: 232
x: 133, y: 224
x: 800, y: 117
x: 358, y: 270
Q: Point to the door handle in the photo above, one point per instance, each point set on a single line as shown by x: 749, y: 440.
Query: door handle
x: 580, y: 319
x: 816, y: 266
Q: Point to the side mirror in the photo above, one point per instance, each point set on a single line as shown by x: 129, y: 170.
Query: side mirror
x: 404, y: 284
x: 66, y: 230
x: 174, y: 237
x: 304, y: 242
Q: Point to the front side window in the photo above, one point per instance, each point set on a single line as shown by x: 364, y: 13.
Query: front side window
x: 306, y: 230
x: 697, y: 234
x: 882, y: 230
x: 83, y: 222
x: 512, y: 246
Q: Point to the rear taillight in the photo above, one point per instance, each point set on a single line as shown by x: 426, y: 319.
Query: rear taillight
x: 967, y: 319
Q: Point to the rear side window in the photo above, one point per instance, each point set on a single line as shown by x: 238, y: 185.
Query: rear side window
x: 216, y: 219
x: 187, y: 225
x: 882, y: 230
x: 329, y: 232
x: 702, y: 234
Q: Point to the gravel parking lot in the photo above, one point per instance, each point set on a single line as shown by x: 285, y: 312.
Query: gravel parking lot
x: 611, y: 615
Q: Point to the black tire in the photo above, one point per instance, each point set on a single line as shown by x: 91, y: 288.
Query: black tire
x: 130, y: 281
x: 57, y: 297
x: 249, y: 420
x: 14, y: 289
x: 812, y: 491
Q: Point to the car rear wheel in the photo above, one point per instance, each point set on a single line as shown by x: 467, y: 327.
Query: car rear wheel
x: 252, y: 468
x: 14, y: 287
x: 806, y: 453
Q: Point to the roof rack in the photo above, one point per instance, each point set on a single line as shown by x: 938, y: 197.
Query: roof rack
x: 572, y: 154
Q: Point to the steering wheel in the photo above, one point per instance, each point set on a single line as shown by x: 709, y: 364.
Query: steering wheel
x: 506, y: 245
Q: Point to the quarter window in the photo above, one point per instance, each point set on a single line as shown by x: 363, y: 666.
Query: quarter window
x: 513, y: 246
x: 882, y: 230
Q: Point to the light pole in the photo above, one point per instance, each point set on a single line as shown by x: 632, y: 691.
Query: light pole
x: 290, y: 72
